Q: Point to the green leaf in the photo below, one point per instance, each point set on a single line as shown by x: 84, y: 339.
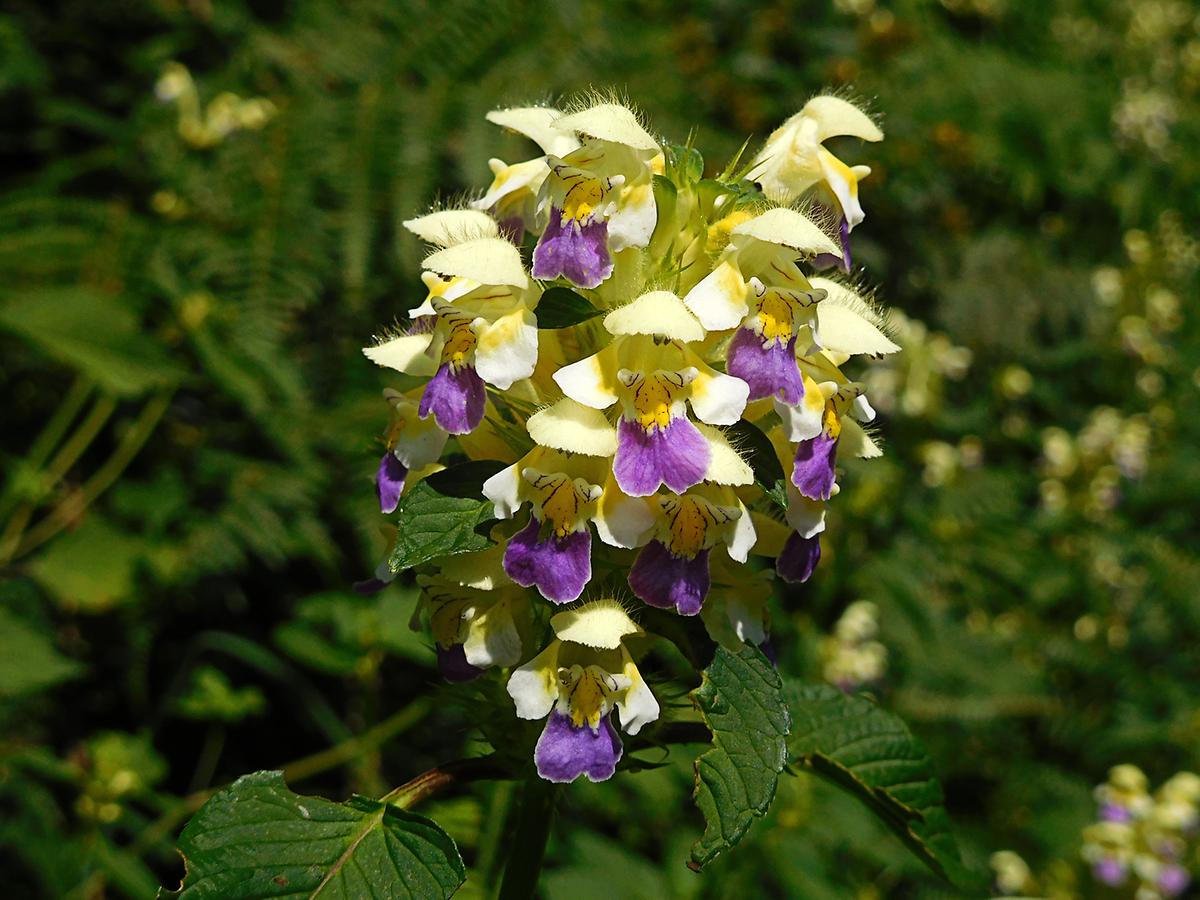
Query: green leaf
x: 756, y: 448
x: 561, y: 307
x: 869, y: 752
x: 93, y: 333
x: 433, y: 524
x: 741, y: 700
x: 91, y: 569
x: 258, y: 839
x: 28, y: 661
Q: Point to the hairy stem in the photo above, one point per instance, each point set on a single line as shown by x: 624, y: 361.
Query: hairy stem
x: 528, y: 844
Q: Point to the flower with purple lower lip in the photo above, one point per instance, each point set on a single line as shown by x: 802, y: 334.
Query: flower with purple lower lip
x: 389, y: 482
x: 455, y: 397
x: 767, y: 365
x: 671, y: 571
x: 574, y: 249
x: 1111, y: 872
x: 576, y: 683
x: 559, y: 567
x: 472, y: 629
x: 412, y: 443
x: 799, y: 558
x: 813, y: 469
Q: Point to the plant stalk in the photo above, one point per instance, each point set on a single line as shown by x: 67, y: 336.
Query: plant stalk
x: 528, y: 849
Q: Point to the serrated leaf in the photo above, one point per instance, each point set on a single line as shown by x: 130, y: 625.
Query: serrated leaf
x: 741, y: 700
x: 93, y: 333
x: 257, y: 839
x: 755, y: 447
x: 869, y: 752
x: 561, y: 307
x: 433, y: 524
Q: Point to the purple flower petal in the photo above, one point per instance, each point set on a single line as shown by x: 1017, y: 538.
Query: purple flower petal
x: 579, y: 252
x: 770, y: 371
x: 565, y: 752
x: 799, y: 558
x: 389, y: 482
x: 1111, y: 872
x: 664, y: 580
x: 559, y: 567
x: 456, y: 399
x: 1173, y: 879
x: 813, y: 471
x: 676, y: 456
x: 1115, y: 812
x: 454, y: 667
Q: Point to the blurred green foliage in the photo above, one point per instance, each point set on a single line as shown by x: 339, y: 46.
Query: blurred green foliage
x: 185, y: 285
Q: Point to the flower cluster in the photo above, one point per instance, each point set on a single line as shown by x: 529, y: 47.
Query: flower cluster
x: 1148, y: 841
x: 621, y: 335
x: 851, y: 658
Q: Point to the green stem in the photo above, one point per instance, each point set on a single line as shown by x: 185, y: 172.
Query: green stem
x: 529, y: 842
x: 131, y: 442
x: 49, y: 437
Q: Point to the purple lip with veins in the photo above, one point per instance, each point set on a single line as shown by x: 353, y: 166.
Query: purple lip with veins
x: 813, y: 472
x: 769, y: 370
x: 676, y: 456
x: 558, y: 567
x: 799, y: 558
x: 565, y: 752
x: 455, y: 398
x: 664, y: 580
x: 389, y: 482
x: 577, y: 251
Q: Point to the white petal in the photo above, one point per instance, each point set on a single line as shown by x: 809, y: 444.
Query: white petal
x: 788, y: 228
x: 637, y: 706
x: 632, y: 224
x: 510, y: 179
x: 658, y: 313
x: 862, y: 409
x: 569, y: 425
x: 601, y: 625
x: 746, y: 619
x: 508, y: 349
x: 716, y: 398
x: 725, y: 466
x: 534, y: 686
x: 842, y: 181
x: 807, y: 517
x: 492, y: 638
x: 537, y: 124
x: 420, y: 442
x: 504, y: 490
x: 486, y: 260
x: 719, y: 299
x: 407, y: 353
x: 743, y: 537
x: 591, y: 381
x: 609, y: 122
x: 482, y: 570
x: 621, y: 520
x: 452, y: 226
x: 805, y: 419
x: 836, y: 116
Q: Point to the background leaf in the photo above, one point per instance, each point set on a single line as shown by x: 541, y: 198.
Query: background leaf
x: 741, y: 700
x: 93, y: 333
x: 755, y: 447
x: 258, y: 839
x: 870, y: 752
x: 28, y: 661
